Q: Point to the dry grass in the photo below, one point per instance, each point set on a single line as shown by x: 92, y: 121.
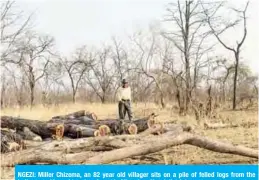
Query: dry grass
x: 247, y: 134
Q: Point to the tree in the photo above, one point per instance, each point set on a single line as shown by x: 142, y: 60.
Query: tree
x: 35, y: 54
x: 189, y: 36
x: 76, y: 69
x: 101, y: 74
x: 14, y: 25
x: 149, y: 60
x: 211, y: 20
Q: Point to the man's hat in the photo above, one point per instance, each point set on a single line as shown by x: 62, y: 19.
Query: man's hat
x: 124, y: 81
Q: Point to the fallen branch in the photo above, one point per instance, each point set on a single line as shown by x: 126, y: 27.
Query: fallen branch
x: 52, y: 152
x: 218, y: 125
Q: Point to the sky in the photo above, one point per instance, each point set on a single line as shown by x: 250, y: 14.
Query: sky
x: 93, y: 22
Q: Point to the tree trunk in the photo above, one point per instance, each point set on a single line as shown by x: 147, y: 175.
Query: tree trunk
x: 187, y: 55
x: 235, y: 79
x: 74, y: 97
x: 32, y: 86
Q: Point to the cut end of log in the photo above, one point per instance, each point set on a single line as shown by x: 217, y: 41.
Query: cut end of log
x: 104, y: 130
x: 59, y: 132
x: 96, y: 133
x: 133, y: 129
x: 160, y: 128
x: 91, y: 115
x: 94, y: 116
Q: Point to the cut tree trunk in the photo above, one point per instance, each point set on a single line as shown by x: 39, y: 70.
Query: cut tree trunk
x: 118, y: 127
x: 50, y: 129
x: 145, y: 123
x: 79, y: 131
x: 37, y: 127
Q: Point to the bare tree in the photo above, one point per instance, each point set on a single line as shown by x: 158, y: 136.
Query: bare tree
x: 77, y: 67
x: 217, y: 32
x: 35, y: 57
x: 101, y: 74
x: 189, y: 37
x: 13, y: 27
x: 121, y: 62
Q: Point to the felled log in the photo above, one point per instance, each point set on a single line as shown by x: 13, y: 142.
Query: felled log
x: 46, y: 129
x: 168, y: 141
x: 145, y: 123
x: 118, y: 127
x: 27, y: 134
x: 76, y: 115
x: 70, y: 115
x: 11, y: 141
x: 79, y: 131
x: 38, y: 127
x: 82, y: 120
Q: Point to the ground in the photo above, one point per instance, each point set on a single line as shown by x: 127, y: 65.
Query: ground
x: 246, y: 134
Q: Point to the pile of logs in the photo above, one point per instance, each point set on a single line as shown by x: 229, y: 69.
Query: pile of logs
x: 81, y: 137
x: 78, y: 124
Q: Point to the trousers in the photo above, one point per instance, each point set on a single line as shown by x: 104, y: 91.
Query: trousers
x: 125, y: 107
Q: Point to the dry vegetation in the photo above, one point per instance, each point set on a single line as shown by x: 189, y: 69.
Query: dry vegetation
x: 246, y: 134
x: 173, y: 72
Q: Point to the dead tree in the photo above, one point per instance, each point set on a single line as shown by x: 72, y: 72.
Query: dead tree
x: 13, y: 28
x: 146, y: 55
x: 77, y: 67
x: 121, y: 62
x: 35, y: 55
x: 211, y: 19
x: 101, y: 74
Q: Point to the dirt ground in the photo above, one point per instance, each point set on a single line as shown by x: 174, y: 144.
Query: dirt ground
x: 245, y: 134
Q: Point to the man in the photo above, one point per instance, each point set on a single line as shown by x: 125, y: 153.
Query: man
x: 124, y: 98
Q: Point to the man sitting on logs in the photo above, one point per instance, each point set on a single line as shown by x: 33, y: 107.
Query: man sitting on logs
x: 124, y: 98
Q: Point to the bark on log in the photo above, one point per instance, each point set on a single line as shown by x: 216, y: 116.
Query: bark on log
x: 165, y: 142
x: 118, y: 127
x: 79, y: 131
x: 11, y: 141
x: 27, y: 134
x: 145, y: 123
x: 70, y: 115
x: 37, y: 127
x: 81, y: 120
x: 77, y: 115
x: 48, y: 129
